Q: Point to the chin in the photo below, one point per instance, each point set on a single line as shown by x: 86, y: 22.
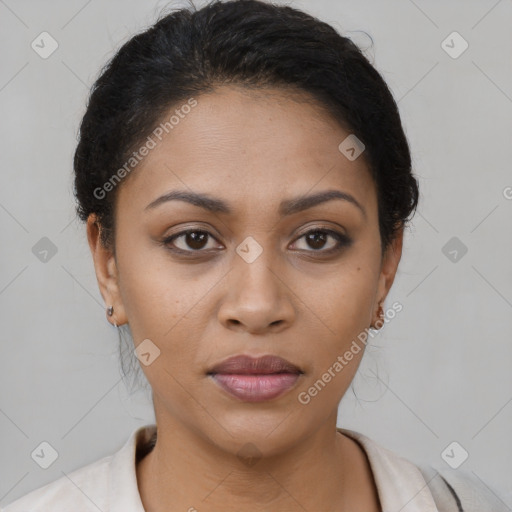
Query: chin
x: 269, y: 432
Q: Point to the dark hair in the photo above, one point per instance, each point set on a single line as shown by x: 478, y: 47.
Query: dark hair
x: 253, y: 44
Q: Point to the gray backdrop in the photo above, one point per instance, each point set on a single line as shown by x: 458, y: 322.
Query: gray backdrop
x: 438, y: 373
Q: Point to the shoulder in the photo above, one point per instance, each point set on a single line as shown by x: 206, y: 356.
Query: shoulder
x: 109, y: 483
x: 432, y: 489
x: 82, y: 490
x: 460, y: 490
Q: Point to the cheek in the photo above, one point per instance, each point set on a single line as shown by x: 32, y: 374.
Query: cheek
x: 150, y: 297
x: 336, y: 355
x: 354, y: 304
x: 343, y: 302
x: 162, y: 304
x: 158, y: 309
x: 343, y: 309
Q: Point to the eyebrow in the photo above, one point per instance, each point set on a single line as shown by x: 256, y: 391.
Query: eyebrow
x: 287, y: 206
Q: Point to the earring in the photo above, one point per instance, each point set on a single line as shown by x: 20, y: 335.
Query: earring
x: 380, y: 314
x: 110, y: 310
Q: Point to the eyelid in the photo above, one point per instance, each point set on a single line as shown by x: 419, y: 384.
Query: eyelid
x: 320, y: 227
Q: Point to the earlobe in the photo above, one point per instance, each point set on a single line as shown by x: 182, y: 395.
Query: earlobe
x: 106, y: 272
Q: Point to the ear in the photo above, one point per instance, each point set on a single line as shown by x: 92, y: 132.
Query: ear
x: 106, y: 271
x: 389, y: 266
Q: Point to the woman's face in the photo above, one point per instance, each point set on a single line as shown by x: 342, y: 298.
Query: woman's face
x: 249, y: 280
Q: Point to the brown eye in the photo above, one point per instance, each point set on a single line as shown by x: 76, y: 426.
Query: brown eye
x: 192, y: 240
x: 318, y: 239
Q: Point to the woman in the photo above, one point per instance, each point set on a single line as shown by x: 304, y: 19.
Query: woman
x: 245, y: 182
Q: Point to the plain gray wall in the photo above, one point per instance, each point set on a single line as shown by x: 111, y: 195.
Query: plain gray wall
x: 439, y: 372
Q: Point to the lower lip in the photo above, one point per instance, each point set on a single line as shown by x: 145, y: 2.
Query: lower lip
x: 256, y: 388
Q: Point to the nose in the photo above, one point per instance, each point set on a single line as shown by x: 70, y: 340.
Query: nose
x: 258, y: 299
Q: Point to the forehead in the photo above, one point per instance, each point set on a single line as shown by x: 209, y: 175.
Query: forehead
x: 258, y: 144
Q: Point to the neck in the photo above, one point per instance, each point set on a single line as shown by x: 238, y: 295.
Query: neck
x: 325, y: 471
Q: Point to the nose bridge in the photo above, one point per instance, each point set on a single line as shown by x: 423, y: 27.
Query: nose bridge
x: 256, y: 297
x: 254, y: 266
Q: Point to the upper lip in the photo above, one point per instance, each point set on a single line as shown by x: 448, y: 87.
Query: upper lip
x: 264, y: 365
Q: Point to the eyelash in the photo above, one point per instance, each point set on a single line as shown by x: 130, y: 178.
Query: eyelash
x: 342, y: 239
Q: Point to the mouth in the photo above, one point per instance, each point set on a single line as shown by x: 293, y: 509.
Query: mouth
x: 255, y: 379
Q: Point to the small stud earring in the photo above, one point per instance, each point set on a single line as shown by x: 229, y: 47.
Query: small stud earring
x: 110, y: 310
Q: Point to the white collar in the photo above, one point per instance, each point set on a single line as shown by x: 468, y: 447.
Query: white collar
x: 400, y: 484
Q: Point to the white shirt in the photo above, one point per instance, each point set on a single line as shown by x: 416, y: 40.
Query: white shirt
x: 110, y: 484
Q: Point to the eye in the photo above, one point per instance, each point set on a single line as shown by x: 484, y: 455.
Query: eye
x: 196, y: 239
x: 317, y: 239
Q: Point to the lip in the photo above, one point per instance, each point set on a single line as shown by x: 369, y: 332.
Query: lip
x: 255, y: 379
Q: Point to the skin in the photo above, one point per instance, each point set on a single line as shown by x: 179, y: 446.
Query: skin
x: 252, y: 150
